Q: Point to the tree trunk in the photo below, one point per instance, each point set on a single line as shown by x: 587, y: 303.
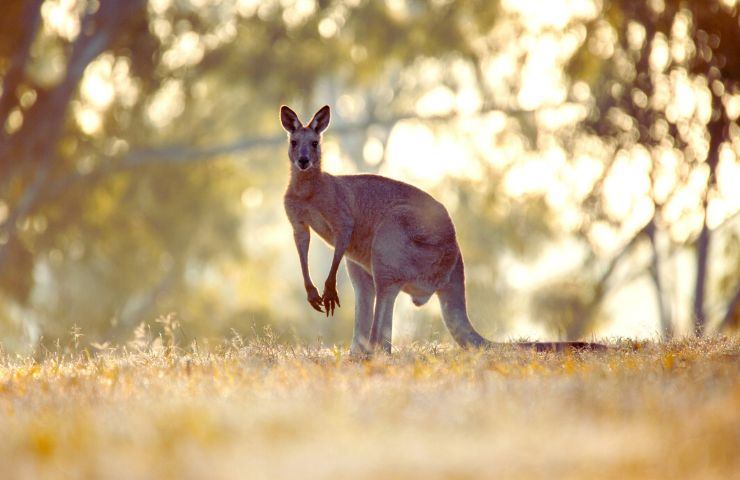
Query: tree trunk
x: 15, y: 74
x: 33, y: 145
x: 732, y: 315
x: 666, y: 323
x: 702, y: 255
x: 718, y: 128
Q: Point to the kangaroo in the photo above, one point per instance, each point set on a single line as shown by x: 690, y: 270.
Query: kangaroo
x: 395, y: 237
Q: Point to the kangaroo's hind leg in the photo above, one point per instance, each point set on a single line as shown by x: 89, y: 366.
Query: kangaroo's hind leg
x: 381, y: 334
x: 364, y: 288
x: 393, y: 266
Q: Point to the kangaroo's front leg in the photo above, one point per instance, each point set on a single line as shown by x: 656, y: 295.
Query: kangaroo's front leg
x: 302, y: 238
x: 341, y: 242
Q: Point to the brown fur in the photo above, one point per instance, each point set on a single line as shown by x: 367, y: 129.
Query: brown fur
x: 395, y: 237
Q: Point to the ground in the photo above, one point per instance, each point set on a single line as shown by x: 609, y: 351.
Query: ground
x: 256, y: 409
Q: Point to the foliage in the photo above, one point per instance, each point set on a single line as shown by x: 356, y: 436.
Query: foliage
x: 663, y: 78
x: 140, y: 167
x: 105, y: 213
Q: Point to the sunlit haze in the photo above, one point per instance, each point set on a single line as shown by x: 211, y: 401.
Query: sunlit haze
x: 490, y: 133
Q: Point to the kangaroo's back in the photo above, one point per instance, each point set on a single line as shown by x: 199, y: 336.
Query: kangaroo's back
x: 419, y: 221
x: 375, y: 198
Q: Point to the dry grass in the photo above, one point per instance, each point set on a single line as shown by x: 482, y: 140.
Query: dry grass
x: 260, y: 410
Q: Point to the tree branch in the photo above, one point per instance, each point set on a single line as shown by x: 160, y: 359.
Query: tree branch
x: 601, y: 291
x: 30, y: 19
x: 576, y: 329
x: 38, y: 137
x: 182, y: 154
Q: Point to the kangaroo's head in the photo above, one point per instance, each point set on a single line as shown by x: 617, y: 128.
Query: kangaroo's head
x: 304, y: 149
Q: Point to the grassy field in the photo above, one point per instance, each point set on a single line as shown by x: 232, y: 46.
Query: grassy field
x: 260, y: 410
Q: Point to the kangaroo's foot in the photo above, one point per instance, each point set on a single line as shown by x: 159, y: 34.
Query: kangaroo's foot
x: 360, y: 348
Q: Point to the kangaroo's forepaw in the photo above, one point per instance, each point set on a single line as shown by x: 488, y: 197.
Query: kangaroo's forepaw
x: 330, y: 299
x: 314, y: 299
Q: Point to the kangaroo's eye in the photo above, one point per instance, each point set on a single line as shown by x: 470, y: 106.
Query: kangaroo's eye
x: 293, y: 143
x: 315, y: 144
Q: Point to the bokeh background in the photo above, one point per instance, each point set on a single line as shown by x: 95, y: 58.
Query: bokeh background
x: 587, y: 151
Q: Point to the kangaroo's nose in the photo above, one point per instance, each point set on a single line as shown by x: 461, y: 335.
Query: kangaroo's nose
x: 303, y: 162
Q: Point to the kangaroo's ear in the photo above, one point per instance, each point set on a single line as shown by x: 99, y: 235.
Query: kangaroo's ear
x: 320, y: 121
x: 289, y: 119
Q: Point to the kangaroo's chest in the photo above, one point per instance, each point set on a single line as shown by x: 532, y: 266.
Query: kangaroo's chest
x: 319, y: 224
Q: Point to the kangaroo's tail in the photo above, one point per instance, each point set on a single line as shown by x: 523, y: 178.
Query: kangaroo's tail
x: 455, y: 316
x: 455, y: 312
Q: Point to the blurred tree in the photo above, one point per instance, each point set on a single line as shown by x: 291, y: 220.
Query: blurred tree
x: 108, y: 212
x: 663, y: 78
x: 110, y: 215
